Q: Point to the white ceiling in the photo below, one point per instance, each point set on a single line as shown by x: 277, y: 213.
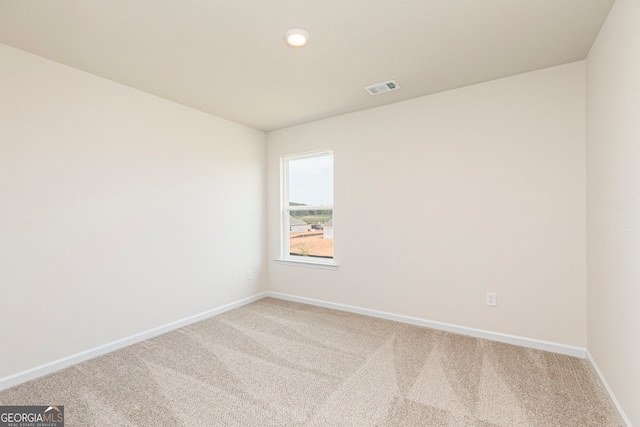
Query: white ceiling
x: 228, y: 57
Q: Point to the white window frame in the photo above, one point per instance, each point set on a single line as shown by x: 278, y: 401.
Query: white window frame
x: 285, y: 257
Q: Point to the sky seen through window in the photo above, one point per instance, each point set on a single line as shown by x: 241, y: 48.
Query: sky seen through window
x: 311, y: 181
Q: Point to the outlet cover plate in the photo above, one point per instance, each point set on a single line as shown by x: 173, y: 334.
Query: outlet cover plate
x: 492, y: 299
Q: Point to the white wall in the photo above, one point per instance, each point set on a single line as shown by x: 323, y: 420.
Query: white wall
x: 119, y: 211
x: 442, y: 198
x: 613, y: 203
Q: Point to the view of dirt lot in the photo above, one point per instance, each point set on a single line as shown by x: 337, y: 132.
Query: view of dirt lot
x: 310, y: 243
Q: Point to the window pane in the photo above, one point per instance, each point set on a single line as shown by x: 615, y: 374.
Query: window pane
x: 311, y: 234
x: 311, y: 181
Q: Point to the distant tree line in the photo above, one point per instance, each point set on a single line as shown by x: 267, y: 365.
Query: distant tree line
x: 310, y: 212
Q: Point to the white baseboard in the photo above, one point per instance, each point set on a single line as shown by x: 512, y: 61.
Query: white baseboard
x: 478, y: 333
x: 614, y: 402
x: 56, y: 365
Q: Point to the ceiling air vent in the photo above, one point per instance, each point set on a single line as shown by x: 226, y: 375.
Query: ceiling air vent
x: 379, y: 88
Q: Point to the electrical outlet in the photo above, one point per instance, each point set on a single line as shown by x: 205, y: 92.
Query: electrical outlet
x: 249, y: 274
x: 492, y: 299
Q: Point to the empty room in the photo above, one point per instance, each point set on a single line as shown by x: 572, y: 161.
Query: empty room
x: 350, y: 213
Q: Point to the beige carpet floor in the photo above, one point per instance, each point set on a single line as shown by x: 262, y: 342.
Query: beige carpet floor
x: 279, y: 363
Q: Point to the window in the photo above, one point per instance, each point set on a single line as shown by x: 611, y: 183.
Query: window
x: 307, y: 208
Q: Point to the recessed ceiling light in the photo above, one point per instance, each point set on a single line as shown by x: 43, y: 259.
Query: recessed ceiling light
x: 296, y: 37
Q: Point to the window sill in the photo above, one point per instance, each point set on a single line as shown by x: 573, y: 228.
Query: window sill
x: 308, y: 264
